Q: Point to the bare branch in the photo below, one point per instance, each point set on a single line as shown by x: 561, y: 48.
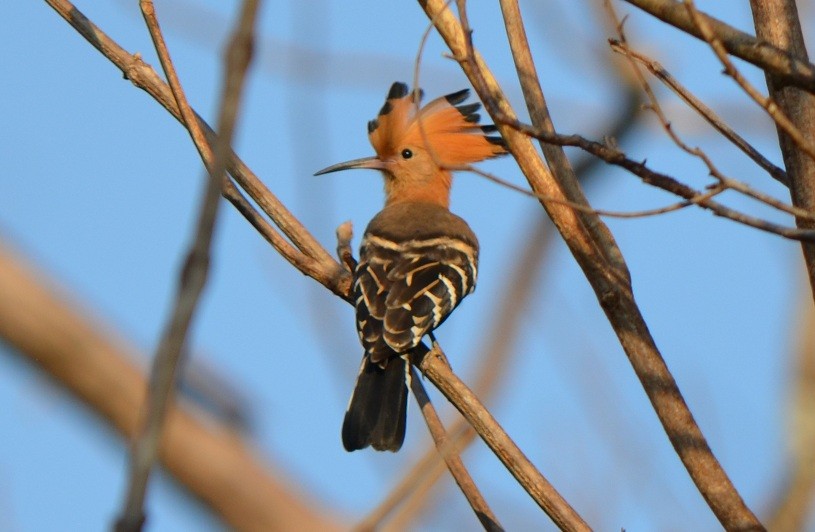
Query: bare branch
x: 778, y: 116
x: 726, y: 182
x: 613, y: 155
x: 713, y: 191
x: 613, y: 290
x: 704, y: 111
x: 323, y: 268
x: 760, y: 52
x: 436, y: 369
x: 448, y: 450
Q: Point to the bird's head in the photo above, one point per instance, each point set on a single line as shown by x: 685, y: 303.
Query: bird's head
x: 417, y: 148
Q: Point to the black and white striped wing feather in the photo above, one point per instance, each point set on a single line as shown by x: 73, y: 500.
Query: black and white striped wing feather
x: 405, y: 290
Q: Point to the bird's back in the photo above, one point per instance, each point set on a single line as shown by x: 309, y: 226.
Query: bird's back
x: 417, y: 262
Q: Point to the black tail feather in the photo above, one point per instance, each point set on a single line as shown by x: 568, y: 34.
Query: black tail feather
x: 377, y: 412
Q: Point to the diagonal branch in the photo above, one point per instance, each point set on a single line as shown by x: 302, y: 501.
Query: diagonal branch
x: 657, y: 70
x: 612, y: 288
x: 613, y: 155
x: 561, y: 169
x: 449, y: 451
x: 654, y: 105
x: 759, y: 51
x: 781, y: 120
x: 435, y: 368
x: 321, y: 266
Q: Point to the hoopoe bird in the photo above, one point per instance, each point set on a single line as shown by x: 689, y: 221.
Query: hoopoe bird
x: 417, y: 260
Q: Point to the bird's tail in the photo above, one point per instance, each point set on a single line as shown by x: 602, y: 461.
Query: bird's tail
x: 377, y: 411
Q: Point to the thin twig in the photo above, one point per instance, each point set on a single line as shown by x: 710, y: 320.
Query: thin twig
x: 194, y: 272
x: 187, y: 115
x: 725, y: 181
x: 645, y: 213
x: 759, y: 52
x: 704, y: 111
x: 766, y: 103
x: 616, y: 157
x: 323, y: 268
x: 449, y: 452
x: 436, y: 369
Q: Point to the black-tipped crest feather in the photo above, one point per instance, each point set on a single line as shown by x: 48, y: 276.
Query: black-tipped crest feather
x: 468, y: 109
x: 398, y: 90
x: 457, y: 97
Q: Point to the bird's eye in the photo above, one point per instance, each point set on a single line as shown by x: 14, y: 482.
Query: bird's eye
x: 407, y: 154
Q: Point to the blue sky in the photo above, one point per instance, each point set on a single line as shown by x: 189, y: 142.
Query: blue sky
x: 100, y: 189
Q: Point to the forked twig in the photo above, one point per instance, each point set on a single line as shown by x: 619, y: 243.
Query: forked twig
x: 309, y: 253
x: 766, y: 103
x: 656, y: 69
x: 724, y: 181
x: 613, y: 155
x: 436, y: 369
x: 450, y: 453
x: 759, y: 52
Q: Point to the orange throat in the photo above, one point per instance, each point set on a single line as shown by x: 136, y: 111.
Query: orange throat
x: 435, y: 190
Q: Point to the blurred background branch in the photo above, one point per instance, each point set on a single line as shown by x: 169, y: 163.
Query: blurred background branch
x: 209, y: 458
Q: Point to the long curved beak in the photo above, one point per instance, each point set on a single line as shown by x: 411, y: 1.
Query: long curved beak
x: 373, y: 163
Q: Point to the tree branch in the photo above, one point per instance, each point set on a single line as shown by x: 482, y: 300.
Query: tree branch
x: 764, y: 54
x: 449, y: 450
x: 321, y: 266
x: 657, y: 70
x: 777, y: 23
x: 612, y: 288
x: 436, y: 369
x: 781, y: 120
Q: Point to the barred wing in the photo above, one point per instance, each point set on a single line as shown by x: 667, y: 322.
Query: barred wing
x: 405, y: 290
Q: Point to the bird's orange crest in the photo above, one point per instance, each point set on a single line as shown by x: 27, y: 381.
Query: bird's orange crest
x: 449, y: 131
